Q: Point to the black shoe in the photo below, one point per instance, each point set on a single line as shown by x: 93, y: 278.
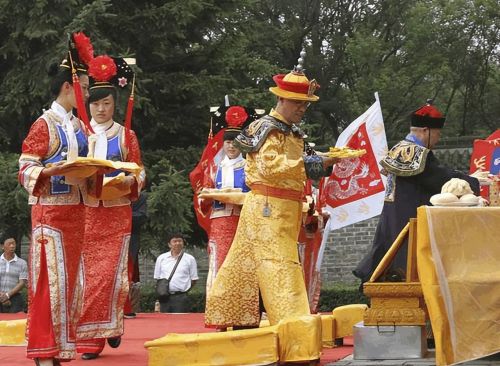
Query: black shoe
x: 90, y: 356
x: 114, y: 342
x: 129, y: 315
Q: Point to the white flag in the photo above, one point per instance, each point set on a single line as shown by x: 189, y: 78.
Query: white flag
x: 355, y: 190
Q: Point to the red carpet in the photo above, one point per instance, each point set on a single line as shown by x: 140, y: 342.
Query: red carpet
x: 144, y: 327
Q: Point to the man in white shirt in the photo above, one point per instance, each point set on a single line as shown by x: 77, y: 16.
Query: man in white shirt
x: 13, y: 277
x: 183, y: 279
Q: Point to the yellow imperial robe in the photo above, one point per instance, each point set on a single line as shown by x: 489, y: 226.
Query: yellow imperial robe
x: 264, y: 253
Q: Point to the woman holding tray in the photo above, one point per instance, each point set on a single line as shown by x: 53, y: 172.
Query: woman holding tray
x: 108, y: 219
x: 58, y: 211
x: 230, y: 174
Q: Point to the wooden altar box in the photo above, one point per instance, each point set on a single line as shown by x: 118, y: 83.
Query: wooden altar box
x: 397, y: 303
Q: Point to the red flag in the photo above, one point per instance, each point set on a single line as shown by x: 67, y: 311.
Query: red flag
x: 354, y: 179
x: 310, y: 240
x: 355, y: 190
x: 203, y: 175
x: 486, y: 157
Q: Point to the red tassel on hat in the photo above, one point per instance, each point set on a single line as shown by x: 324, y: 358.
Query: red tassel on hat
x: 128, y: 115
x: 80, y: 106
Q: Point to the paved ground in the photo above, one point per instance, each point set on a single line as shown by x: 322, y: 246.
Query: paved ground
x: 493, y: 360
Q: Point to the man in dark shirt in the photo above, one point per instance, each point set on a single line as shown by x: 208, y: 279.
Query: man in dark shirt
x: 413, y: 176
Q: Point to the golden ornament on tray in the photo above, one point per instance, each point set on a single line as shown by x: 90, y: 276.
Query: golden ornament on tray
x: 345, y: 152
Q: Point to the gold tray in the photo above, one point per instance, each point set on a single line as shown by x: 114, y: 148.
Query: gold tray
x: 85, y: 167
x: 235, y: 198
x: 345, y: 152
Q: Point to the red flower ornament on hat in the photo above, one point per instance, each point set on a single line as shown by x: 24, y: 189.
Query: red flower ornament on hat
x: 236, y: 116
x: 84, y: 47
x: 102, y: 68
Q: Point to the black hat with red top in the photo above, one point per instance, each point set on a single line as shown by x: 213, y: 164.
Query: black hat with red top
x: 236, y: 117
x: 232, y: 119
x: 106, y: 74
x: 427, y: 116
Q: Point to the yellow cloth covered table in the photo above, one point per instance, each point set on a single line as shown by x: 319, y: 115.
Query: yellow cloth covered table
x: 458, y: 257
x: 345, y: 317
x: 12, y: 332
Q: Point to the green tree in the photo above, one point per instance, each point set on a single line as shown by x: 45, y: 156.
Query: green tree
x: 168, y: 209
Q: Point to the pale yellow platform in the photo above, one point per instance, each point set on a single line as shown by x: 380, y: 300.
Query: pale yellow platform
x: 300, y: 338
x: 293, y: 339
x: 345, y: 317
x: 327, y: 331
x: 12, y: 332
x: 241, y: 347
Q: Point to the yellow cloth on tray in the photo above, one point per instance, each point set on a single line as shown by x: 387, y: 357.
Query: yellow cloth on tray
x: 112, y: 187
x: 458, y: 260
x: 242, y: 347
x: 84, y: 167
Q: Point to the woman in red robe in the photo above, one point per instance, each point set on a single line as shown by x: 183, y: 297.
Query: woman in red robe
x: 57, y: 218
x: 108, y: 219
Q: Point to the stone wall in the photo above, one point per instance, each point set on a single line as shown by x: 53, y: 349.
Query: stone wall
x: 345, y: 248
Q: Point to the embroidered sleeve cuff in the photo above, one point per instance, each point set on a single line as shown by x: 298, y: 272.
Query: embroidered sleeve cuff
x: 314, y: 167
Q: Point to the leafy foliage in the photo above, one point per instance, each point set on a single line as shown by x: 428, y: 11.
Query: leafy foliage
x: 168, y: 209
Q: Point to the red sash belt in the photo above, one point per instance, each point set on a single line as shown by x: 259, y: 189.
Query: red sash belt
x: 283, y: 193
